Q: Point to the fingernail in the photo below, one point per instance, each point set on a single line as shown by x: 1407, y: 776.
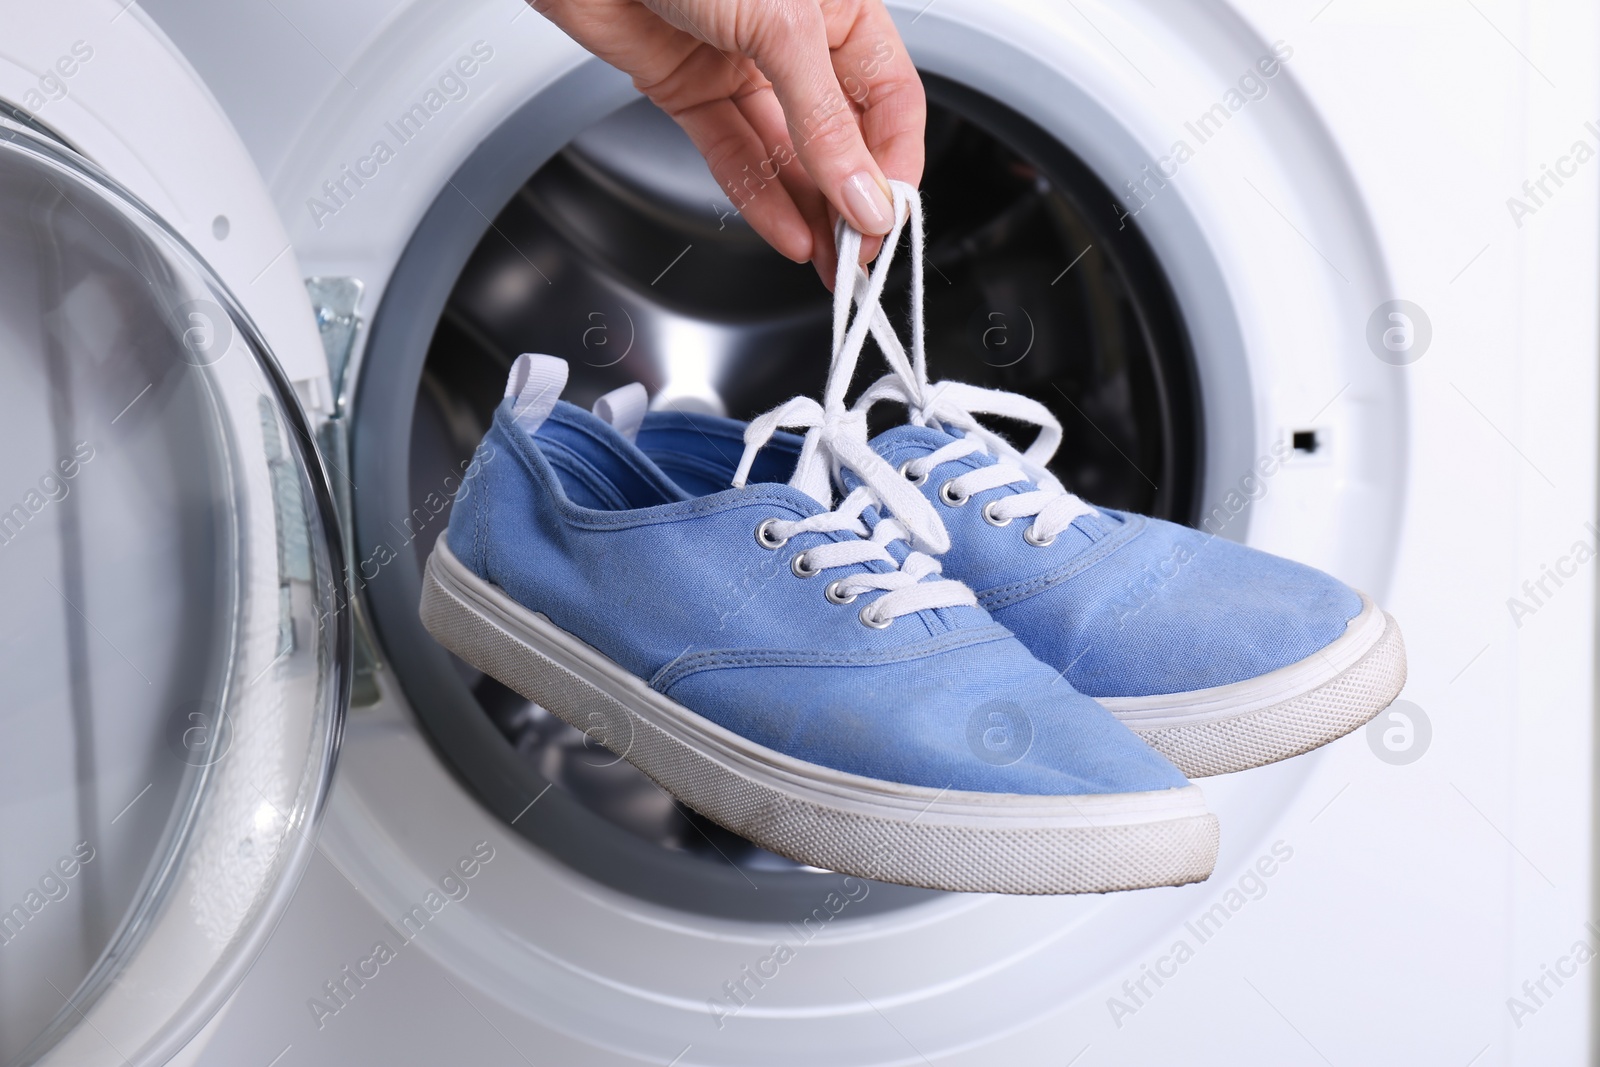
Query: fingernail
x: 868, y: 204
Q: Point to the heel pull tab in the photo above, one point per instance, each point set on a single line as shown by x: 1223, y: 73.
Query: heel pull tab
x: 624, y: 409
x: 534, y: 386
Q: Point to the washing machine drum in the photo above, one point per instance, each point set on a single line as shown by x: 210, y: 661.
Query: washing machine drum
x: 170, y: 638
x: 621, y: 254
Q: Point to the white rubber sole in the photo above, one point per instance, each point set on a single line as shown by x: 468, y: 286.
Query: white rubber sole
x: 935, y: 838
x: 1291, y: 710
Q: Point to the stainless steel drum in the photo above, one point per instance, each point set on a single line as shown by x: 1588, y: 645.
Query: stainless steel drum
x: 621, y: 254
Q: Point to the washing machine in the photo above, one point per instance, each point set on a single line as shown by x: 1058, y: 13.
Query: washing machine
x: 1319, y: 277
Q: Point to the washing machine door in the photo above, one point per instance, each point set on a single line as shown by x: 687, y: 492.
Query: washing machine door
x: 173, y: 638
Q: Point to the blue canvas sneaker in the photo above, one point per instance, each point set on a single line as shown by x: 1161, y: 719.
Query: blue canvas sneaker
x: 1220, y: 656
x: 784, y: 663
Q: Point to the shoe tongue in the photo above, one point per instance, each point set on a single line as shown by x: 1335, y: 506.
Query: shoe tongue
x: 898, y: 445
x: 907, y: 441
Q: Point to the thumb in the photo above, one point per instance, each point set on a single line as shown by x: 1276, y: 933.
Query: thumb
x: 791, y: 49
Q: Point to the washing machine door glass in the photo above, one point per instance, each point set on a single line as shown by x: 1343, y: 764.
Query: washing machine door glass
x: 172, y: 640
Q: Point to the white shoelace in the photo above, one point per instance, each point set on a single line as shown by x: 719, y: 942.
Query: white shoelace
x: 835, y: 439
x: 956, y: 405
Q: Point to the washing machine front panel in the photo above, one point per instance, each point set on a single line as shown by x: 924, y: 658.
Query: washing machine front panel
x: 1281, y: 231
x: 616, y: 955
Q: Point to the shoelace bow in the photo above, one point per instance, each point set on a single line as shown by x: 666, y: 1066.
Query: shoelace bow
x: 836, y: 439
x: 956, y: 405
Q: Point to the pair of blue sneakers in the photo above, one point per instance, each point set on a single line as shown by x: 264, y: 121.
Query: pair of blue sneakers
x: 915, y: 657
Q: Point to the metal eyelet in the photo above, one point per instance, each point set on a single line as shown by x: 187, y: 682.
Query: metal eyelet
x: 801, y: 570
x: 836, y: 597
x: 951, y: 495
x: 1037, y: 542
x: 765, y: 538
x: 988, y: 515
x: 914, y: 479
x: 869, y: 619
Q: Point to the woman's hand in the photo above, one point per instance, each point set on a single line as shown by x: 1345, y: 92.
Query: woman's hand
x: 797, y: 105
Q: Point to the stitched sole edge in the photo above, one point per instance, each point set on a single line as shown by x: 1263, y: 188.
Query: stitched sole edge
x: 1306, y: 721
x: 937, y: 839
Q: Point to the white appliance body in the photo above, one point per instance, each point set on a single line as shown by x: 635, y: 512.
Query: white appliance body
x: 1415, y: 893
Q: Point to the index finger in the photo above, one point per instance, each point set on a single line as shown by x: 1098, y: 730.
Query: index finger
x: 877, y: 75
